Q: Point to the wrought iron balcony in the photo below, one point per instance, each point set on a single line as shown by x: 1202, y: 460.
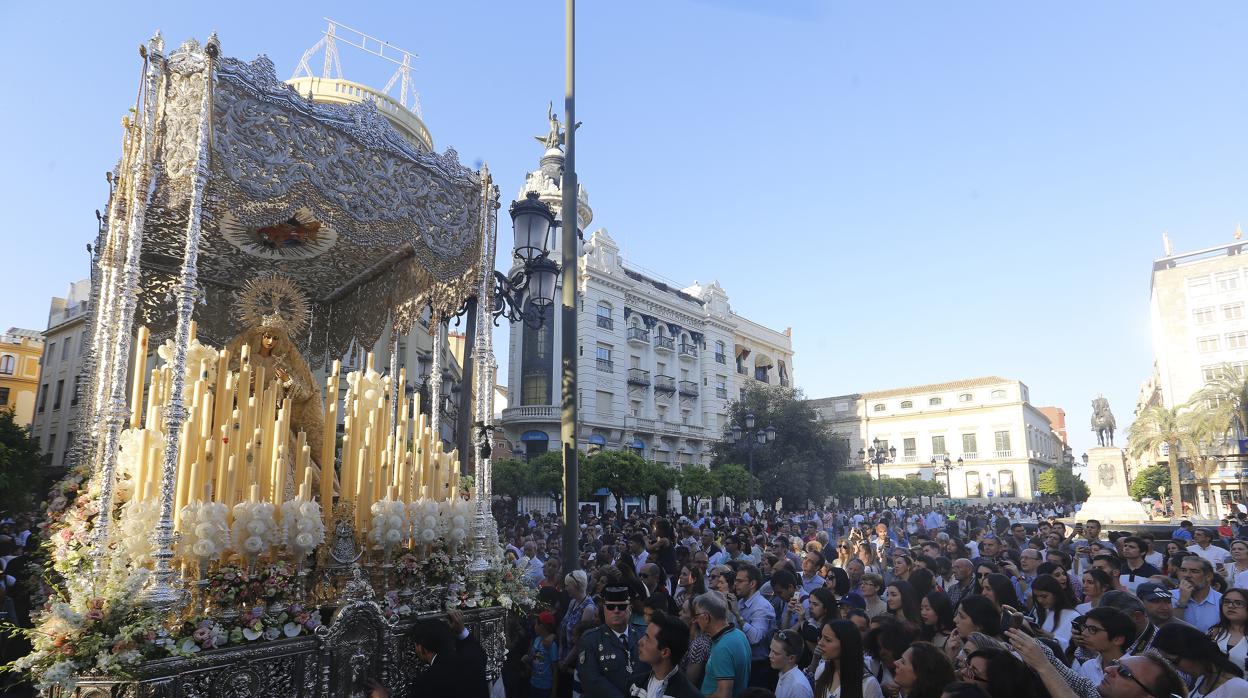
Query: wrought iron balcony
x: 638, y: 335
x: 688, y: 349
x: 604, y: 322
x: 665, y: 343
x: 721, y: 359
x: 606, y: 365
x: 664, y: 384
x: 721, y: 393
x: 689, y: 388
x: 637, y: 376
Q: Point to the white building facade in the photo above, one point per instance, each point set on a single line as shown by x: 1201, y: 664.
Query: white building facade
x: 1003, y: 440
x: 61, y: 376
x: 657, y: 366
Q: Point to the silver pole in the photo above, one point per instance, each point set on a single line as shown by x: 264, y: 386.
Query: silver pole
x: 570, y: 231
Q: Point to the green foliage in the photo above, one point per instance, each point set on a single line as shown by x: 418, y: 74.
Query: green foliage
x: 733, y: 480
x: 696, y: 483
x: 20, y: 463
x: 1146, y: 482
x: 1178, y: 429
x: 622, y: 473
x: 1062, y: 482
x: 852, y: 486
x: 801, y: 464
x: 540, y: 475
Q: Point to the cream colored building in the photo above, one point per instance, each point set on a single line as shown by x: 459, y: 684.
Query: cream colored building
x: 61, y: 377
x: 20, y: 351
x: 1003, y: 440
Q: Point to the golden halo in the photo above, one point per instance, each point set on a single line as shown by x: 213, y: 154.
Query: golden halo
x: 272, y: 300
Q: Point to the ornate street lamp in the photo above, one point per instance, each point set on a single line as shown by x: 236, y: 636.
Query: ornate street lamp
x: 749, y: 437
x: 879, y: 456
x: 530, y: 290
x: 946, y: 466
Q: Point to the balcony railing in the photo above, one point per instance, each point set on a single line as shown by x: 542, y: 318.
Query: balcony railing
x: 973, y: 455
x: 637, y: 376
x: 664, y: 384
x: 665, y: 343
x: 721, y: 393
x: 637, y: 334
x: 688, y: 349
x: 1003, y: 454
x: 689, y: 388
x: 604, y: 322
x: 721, y: 359
x: 606, y: 365
x: 542, y: 412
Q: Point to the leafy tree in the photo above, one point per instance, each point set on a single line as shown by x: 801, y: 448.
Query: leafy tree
x: 20, y: 463
x: 857, y: 486
x: 1222, y: 404
x: 800, y: 464
x: 696, y: 483
x: 1061, y: 481
x: 1146, y: 482
x: 622, y: 473
x: 1174, y: 428
x: 734, y: 481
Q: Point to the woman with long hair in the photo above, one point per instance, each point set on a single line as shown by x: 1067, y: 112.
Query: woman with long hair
x: 1095, y: 583
x: 1229, y: 632
x: 1054, y: 608
x: 936, y: 612
x: 823, y: 607
x: 1216, y: 676
x: 1000, y: 673
x: 982, y: 570
x: 1000, y: 589
x: 975, y: 614
x: 689, y: 584
x: 870, y: 561
x: 845, y: 551
x: 839, y: 673
x: 662, y: 546
x: 902, y: 601
x: 923, y: 671
x: 1064, y: 580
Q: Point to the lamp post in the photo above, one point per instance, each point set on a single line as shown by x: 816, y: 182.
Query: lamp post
x: 749, y: 437
x: 947, y: 467
x: 879, y: 456
x: 1083, y: 458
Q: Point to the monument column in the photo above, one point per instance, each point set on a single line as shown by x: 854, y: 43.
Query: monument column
x: 1107, y: 480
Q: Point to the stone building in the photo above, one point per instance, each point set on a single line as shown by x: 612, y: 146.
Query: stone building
x: 61, y: 379
x: 20, y: 352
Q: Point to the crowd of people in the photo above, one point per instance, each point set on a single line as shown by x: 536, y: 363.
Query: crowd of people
x: 943, y: 602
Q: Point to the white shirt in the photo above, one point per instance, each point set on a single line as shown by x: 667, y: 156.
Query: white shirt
x: 1213, y: 553
x: 1155, y: 559
x: 1236, y: 654
x: 870, y: 686
x: 1241, y: 580
x: 793, y: 684
x: 656, y: 686
x: 1092, y: 671
x: 1235, y: 688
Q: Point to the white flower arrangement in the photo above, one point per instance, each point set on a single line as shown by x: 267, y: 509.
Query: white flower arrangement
x: 255, y: 529
x: 138, y: 520
x: 426, y: 521
x: 205, y: 531
x: 389, y: 523
x: 303, y: 527
x: 195, y: 353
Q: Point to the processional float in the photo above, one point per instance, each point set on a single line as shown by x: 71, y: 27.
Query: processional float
x: 216, y: 538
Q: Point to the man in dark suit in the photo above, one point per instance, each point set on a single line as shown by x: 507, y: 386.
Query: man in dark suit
x: 434, y: 647
x: 663, y: 647
x: 471, y: 657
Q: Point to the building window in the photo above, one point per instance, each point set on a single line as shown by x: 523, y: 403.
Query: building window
x: 910, y: 451
x: 1002, y: 439
x: 879, y: 407
x: 968, y: 444
x: 998, y: 395
x: 1203, y: 316
x: 537, y: 359
x: 966, y: 397
x: 604, y: 358
x: 1005, y: 479
x: 1207, y: 344
x: 935, y: 402
x: 1228, y: 281
x: 1237, y: 340
x: 938, y: 446
x: 60, y: 388
x: 4, y: 396
x: 906, y: 404
x: 842, y: 406
x: 720, y: 355
x: 1199, y: 286
x: 604, y: 315
x: 51, y: 443
x: 65, y: 348
x: 8, y: 365
x: 605, y: 404
x: 73, y: 400
x: 974, y: 488
x: 1234, y: 311
x: 43, y: 397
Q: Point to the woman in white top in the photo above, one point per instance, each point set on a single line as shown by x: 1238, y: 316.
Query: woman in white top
x: 1213, y: 673
x: 1237, y: 567
x: 1229, y: 633
x: 1054, y: 608
x: 1095, y: 584
x: 841, y: 673
x: 786, y: 649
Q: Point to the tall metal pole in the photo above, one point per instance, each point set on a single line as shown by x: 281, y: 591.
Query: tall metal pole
x: 570, y: 230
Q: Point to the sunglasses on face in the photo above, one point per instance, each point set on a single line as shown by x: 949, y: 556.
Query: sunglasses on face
x: 616, y: 606
x: 1125, y: 672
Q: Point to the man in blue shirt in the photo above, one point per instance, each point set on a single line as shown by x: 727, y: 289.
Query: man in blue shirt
x: 1183, y: 532
x: 1199, y: 603
x: 727, y: 672
x: 758, y: 620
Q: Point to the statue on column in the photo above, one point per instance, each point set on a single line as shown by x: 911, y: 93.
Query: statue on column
x: 554, y: 139
x: 273, y: 310
x: 1102, y: 421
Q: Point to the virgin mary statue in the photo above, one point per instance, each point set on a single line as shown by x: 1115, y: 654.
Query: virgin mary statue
x: 274, y: 310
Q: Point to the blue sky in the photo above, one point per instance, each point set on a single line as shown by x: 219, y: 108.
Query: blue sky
x: 924, y: 191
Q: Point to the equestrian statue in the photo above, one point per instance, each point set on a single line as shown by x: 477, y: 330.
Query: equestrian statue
x: 1102, y: 421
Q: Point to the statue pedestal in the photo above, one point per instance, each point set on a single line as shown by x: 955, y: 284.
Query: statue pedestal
x: 1107, y: 479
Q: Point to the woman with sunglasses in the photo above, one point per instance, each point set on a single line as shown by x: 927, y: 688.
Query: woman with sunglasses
x: 1214, y: 674
x: 840, y: 670
x: 786, y: 650
x: 1229, y: 633
x: 845, y: 551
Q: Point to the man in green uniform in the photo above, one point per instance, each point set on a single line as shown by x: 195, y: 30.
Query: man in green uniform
x: 609, y: 651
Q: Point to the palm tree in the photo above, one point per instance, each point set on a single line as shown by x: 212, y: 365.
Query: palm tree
x: 1175, y: 429
x: 1224, y: 402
